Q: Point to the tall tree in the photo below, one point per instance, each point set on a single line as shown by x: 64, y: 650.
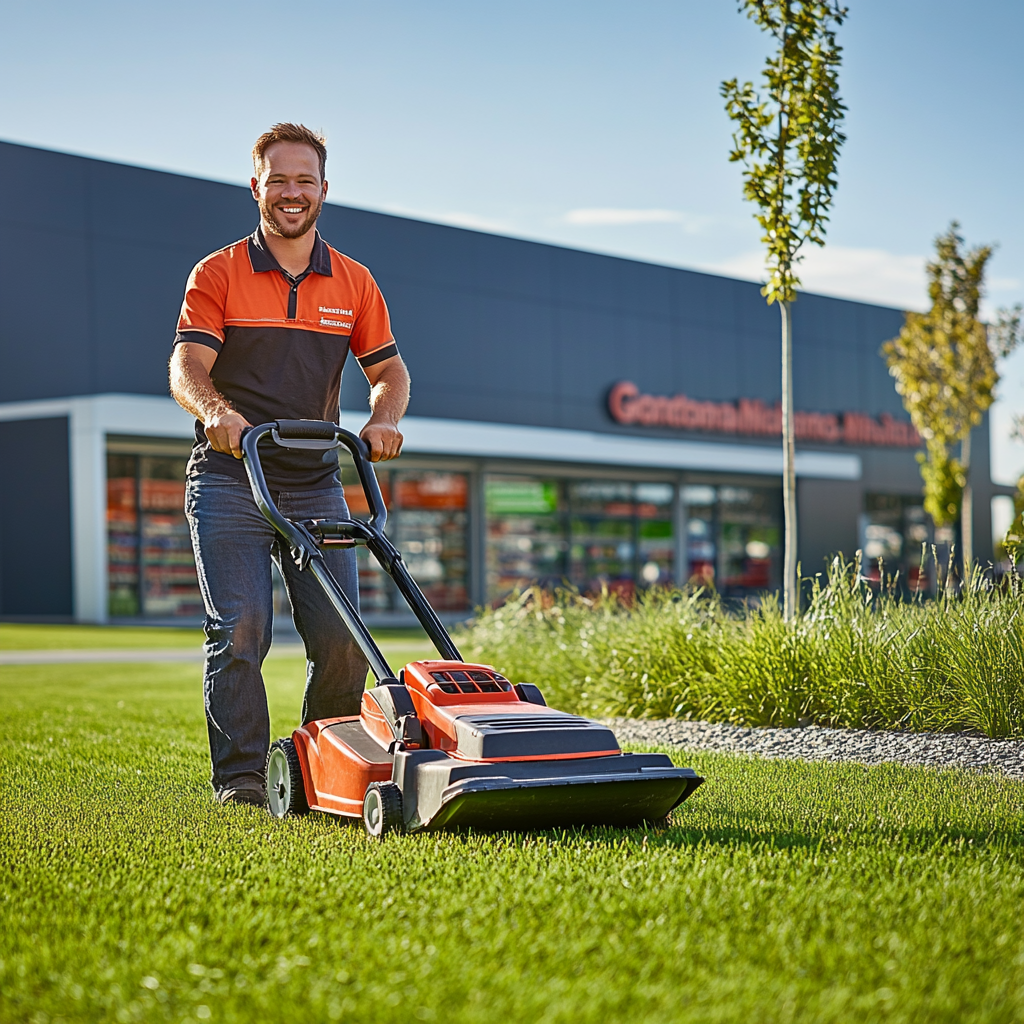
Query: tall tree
x: 944, y: 363
x: 789, y: 142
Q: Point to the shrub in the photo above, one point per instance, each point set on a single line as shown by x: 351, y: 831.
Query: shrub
x: 855, y: 657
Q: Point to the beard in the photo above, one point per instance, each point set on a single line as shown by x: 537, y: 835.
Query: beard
x: 271, y: 221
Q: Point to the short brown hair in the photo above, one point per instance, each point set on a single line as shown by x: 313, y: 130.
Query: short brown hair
x: 288, y: 132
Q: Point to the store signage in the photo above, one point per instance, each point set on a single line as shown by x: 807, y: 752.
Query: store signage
x: 751, y: 416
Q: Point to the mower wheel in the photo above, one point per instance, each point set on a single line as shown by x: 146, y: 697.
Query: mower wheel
x: 285, y: 793
x: 382, y: 809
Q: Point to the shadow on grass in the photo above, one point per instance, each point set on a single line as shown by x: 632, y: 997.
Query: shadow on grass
x: 729, y: 835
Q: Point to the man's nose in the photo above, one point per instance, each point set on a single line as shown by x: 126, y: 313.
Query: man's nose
x: 291, y: 190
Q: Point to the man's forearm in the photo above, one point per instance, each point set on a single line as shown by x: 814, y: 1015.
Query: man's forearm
x: 192, y: 388
x: 389, y: 396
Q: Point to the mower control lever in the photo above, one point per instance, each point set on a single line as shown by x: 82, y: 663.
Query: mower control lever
x: 344, y: 534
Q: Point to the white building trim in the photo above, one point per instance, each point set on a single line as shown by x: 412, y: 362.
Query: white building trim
x: 499, y: 440
x: 92, y: 417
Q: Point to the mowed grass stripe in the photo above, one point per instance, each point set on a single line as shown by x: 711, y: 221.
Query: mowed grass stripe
x: 782, y: 892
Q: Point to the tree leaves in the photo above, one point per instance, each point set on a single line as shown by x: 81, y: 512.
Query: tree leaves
x: 944, y: 365
x: 790, y: 140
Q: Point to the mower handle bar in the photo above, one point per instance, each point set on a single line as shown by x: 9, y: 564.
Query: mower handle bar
x: 324, y: 435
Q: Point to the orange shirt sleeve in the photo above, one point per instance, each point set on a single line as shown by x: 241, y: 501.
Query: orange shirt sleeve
x: 202, y: 311
x: 372, y: 341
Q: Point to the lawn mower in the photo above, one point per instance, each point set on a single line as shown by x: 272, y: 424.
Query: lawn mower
x: 445, y: 743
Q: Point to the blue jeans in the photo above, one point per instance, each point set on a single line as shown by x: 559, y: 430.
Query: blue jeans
x: 233, y: 545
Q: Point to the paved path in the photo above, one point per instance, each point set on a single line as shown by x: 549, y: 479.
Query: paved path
x: 150, y: 654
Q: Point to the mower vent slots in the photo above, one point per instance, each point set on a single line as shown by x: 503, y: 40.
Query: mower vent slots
x: 471, y: 682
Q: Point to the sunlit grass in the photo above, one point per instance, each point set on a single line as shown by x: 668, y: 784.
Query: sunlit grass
x: 783, y: 891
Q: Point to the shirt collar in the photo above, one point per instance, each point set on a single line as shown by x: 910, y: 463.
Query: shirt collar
x: 262, y: 259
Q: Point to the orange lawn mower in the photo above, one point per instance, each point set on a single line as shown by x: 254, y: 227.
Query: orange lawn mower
x: 444, y: 743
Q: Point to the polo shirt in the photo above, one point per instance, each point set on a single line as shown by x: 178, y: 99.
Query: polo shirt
x: 281, y: 345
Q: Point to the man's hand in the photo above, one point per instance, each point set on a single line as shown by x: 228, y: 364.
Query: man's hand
x: 389, y: 398
x: 383, y: 439
x: 224, y: 431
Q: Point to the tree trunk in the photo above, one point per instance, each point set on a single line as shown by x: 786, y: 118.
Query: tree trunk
x: 790, y: 603
x: 967, y: 509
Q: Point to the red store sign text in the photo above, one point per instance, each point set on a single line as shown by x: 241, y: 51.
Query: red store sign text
x: 752, y: 417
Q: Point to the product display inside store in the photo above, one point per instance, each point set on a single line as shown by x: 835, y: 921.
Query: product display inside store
x: 150, y: 568
x: 428, y: 522
x: 586, y: 532
x: 734, y: 537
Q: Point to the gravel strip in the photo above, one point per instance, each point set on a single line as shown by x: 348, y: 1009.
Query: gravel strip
x: 816, y: 743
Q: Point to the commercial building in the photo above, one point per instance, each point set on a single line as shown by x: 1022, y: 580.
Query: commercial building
x: 575, y: 417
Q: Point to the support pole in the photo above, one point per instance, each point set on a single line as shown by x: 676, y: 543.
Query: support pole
x: 790, y: 604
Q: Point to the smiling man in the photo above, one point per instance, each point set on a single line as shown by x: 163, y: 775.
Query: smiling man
x: 264, y: 332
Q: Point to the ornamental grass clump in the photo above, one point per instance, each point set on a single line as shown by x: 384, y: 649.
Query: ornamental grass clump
x: 856, y: 657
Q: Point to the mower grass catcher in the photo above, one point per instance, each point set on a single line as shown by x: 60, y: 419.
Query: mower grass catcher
x: 446, y: 743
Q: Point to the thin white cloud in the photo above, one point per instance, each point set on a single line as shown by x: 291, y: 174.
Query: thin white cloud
x: 611, y: 217
x: 871, y: 275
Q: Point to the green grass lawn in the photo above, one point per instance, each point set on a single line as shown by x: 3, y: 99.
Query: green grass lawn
x: 32, y: 637
x: 782, y: 891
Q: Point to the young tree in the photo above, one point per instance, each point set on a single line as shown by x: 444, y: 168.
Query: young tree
x: 944, y: 363
x: 789, y: 142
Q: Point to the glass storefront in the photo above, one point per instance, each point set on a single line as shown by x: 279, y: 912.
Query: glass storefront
x: 151, y: 571
x: 734, y: 537
x: 526, y: 540
x: 428, y: 521
x: 895, y: 537
x: 591, y: 533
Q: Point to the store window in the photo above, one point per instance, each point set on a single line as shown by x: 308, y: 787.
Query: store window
x: 428, y: 521
x: 150, y: 569
x: 895, y: 534
x: 655, y: 532
x: 733, y: 537
x: 591, y: 534
x: 526, y: 536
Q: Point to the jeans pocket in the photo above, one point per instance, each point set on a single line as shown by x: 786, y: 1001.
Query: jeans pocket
x: 218, y: 482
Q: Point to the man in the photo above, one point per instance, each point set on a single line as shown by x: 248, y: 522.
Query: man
x: 264, y: 331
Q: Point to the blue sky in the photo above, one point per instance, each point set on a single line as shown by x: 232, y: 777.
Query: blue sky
x: 595, y: 124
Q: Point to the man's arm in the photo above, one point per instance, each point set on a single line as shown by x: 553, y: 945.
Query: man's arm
x: 193, y: 390
x: 389, y: 398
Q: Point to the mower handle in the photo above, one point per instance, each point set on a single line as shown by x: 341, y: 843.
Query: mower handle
x: 317, y: 434
x: 324, y: 435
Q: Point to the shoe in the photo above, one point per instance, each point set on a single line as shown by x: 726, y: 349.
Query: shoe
x: 242, y: 795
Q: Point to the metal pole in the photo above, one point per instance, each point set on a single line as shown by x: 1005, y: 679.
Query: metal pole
x: 343, y: 606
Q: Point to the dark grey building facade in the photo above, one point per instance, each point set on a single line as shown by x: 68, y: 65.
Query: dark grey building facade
x: 575, y: 417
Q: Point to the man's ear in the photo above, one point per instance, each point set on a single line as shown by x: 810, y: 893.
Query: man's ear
x: 254, y: 186
x: 323, y: 189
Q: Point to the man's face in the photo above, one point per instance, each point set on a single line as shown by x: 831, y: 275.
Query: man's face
x: 289, y: 190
